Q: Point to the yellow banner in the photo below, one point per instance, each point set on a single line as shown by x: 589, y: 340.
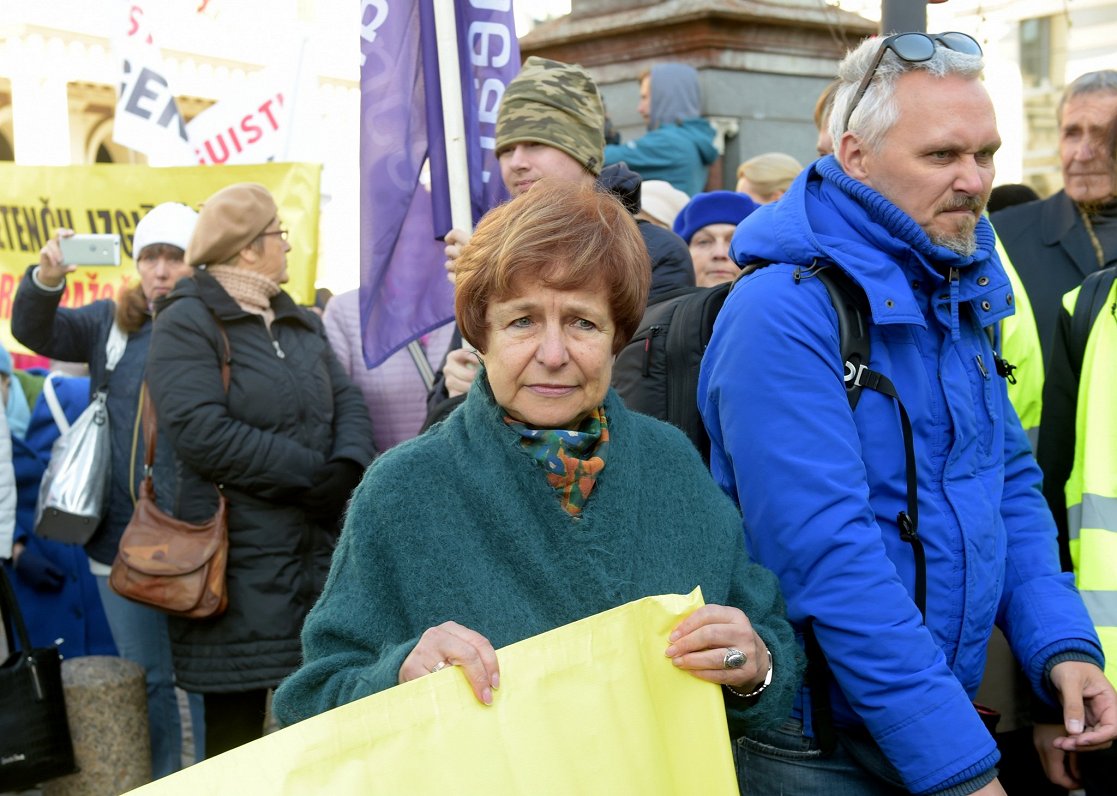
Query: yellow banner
x: 108, y: 198
x: 591, y: 707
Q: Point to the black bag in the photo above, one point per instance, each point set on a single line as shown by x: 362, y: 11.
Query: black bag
x: 35, y: 740
x: 656, y: 373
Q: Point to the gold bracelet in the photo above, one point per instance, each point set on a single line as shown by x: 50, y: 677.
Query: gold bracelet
x: 760, y: 688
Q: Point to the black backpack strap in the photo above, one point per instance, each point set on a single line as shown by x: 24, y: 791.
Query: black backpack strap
x: 851, y: 306
x: 853, y: 331
x: 697, y: 312
x: 1087, y: 307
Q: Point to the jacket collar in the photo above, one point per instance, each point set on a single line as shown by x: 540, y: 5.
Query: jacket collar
x: 220, y: 303
x: 1060, y: 224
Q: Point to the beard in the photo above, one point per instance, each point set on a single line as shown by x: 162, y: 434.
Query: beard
x: 963, y: 241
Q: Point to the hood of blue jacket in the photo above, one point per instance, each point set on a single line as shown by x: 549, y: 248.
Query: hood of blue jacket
x: 828, y: 216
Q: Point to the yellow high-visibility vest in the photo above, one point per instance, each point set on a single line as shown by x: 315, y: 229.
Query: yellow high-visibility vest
x: 1021, y: 347
x: 1091, y: 489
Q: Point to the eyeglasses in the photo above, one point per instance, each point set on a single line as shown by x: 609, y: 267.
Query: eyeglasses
x: 281, y: 232
x: 913, y: 48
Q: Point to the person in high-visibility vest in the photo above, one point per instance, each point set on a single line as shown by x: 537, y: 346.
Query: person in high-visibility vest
x: 1020, y: 346
x: 1004, y: 686
x: 1080, y: 472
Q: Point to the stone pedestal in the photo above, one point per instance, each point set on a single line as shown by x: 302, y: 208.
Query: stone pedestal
x: 106, y: 703
x: 761, y: 64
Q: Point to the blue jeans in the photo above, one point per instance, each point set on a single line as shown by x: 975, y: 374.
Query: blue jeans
x: 785, y: 762
x: 141, y: 636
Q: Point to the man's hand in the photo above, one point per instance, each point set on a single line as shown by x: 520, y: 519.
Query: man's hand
x: 455, y: 239
x: 460, y: 370
x: 1089, y: 707
x: 1059, y: 766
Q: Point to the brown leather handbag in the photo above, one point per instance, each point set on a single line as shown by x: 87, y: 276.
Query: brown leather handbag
x: 175, y: 566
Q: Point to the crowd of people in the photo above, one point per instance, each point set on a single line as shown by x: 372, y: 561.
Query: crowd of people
x: 881, y: 542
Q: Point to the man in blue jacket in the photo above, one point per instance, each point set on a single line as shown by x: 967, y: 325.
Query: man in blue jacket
x: 830, y: 497
x: 679, y: 145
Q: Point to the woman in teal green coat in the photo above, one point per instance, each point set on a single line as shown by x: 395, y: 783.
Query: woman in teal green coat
x: 541, y: 500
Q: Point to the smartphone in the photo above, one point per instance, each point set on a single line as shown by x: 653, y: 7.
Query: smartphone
x: 90, y: 250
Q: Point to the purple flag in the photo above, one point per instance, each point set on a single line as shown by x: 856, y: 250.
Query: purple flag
x: 404, y: 291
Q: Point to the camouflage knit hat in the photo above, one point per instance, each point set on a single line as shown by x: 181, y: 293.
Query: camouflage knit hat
x: 555, y: 104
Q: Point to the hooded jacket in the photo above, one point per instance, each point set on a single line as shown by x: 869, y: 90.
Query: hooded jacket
x: 822, y: 510
x: 679, y: 145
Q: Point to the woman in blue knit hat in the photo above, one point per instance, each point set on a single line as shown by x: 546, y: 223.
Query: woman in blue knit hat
x: 707, y: 223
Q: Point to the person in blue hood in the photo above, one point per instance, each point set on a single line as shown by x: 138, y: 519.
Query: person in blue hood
x: 679, y: 145
x: 825, y: 490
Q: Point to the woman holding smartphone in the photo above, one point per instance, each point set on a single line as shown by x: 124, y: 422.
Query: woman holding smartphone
x: 82, y: 334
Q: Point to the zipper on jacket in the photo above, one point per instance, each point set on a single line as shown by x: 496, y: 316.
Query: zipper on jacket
x: 955, y: 331
x: 981, y: 366
x: 278, y: 351
x: 652, y: 332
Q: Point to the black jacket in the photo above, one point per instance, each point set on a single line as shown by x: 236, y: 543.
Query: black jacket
x: 79, y: 334
x: 289, y: 410
x: 672, y: 267
x: 1051, y: 252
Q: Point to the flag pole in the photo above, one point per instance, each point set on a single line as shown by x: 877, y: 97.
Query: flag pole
x: 457, y: 165
x: 453, y: 121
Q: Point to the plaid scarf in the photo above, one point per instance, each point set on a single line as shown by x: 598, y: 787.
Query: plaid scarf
x: 571, y: 459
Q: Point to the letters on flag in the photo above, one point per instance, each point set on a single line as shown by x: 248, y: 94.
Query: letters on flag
x: 252, y: 125
x: 404, y: 291
x: 147, y: 117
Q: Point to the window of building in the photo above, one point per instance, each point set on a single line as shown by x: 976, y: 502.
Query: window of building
x: 1035, y: 51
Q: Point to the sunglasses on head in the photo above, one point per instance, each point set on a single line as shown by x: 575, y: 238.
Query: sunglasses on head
x: 913, y: 48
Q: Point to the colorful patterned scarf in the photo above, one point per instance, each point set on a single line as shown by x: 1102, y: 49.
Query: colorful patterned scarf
x: 571, y: 459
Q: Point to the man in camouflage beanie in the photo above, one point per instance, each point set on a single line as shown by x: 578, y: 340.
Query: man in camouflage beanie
x: 555, y: 105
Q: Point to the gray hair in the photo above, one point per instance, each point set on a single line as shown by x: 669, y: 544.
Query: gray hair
x: 877, y: 112
x: 1102, y: 80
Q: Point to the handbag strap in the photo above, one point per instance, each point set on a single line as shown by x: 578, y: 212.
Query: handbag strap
x: 150, y: 421
x: 56, y: 411
x: 12, y: 615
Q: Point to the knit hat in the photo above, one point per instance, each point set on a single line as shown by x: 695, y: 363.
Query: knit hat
x: 715, y: 207
x: 230, y: 220
x: 555, y: 104
x: 662, y: 201
x: 171, y: 223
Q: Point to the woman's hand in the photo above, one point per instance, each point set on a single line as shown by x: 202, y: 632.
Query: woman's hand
x: 700, y: 642
x: 450, y: 644
x: 52, y: 272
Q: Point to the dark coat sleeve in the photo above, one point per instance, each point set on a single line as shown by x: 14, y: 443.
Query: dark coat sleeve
x: 1055, y: 449
x: 70, y: 335
x: 184, y: 376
